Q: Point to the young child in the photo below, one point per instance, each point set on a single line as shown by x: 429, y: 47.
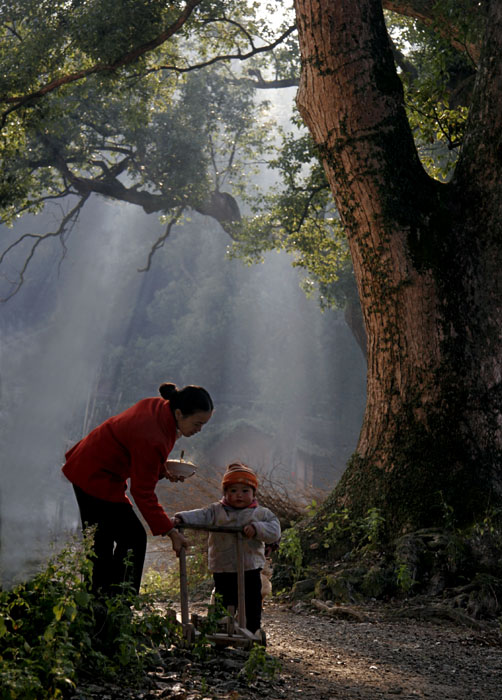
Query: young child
x: 238, y: 507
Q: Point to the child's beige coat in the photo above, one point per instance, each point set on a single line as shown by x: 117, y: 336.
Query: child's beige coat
x: 221, y: 546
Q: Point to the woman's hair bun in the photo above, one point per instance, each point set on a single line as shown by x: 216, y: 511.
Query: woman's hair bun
x: 167, y: 390
x: 189, y: 400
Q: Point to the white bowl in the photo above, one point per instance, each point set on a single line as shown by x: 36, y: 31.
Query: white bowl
x: 176, y: 467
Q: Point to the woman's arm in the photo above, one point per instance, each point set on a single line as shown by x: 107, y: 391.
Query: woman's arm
x: 146, y: 461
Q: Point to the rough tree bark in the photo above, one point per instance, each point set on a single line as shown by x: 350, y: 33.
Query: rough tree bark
x: 428, y: 260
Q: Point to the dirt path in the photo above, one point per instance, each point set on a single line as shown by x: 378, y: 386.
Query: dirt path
x: 372, y: 655
x: 329, y: 658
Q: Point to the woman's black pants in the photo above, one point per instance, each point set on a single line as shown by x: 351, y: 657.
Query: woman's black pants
x: 226, y: 585
x: 119, y: 542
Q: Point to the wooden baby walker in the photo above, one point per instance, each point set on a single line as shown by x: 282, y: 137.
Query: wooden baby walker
x: 235, y: 632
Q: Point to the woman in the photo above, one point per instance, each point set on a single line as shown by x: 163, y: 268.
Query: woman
x: 132, y: 445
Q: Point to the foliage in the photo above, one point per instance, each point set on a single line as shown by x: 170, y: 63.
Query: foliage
x: 462, y: 566
x: 298, y: 214
x: 165, y: 585
x: 54, y: 634
x: 437, y: 89
x: 364, y: 533
x: 160, y: 584
x: 371, y: 527
x: 404, y: 577
x: 312, y: 508
x: 291, y: 550
x: 259, y: 663
x: 201, y: 646
x: 39, y: 653
x: 53, y: 630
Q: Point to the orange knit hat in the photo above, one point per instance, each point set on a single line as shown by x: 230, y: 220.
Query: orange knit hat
x: 238, y: 473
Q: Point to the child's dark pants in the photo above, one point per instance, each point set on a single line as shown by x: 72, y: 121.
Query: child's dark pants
x: 226, y: 585
x: 120, y: 536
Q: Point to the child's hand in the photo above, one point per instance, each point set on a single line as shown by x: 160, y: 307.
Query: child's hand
x: 249, y: 531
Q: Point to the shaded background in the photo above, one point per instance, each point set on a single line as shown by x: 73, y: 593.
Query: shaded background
x: 89, y: 335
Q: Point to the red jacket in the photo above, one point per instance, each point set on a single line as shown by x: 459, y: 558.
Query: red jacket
x: 132, y: 445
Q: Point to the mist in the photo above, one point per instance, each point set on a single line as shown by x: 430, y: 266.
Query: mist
x: 88, y: 336
x: 47, y: 367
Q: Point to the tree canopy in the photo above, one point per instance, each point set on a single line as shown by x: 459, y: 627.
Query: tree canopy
x: 111, y: 99
x: 155, y: 104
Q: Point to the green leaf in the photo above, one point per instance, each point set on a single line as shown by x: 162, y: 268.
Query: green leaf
x: 58, y: 610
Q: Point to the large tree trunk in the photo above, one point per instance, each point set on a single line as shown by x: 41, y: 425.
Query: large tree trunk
x: 427, y: 259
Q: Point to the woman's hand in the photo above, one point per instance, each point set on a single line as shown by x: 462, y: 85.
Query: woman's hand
x: 166, y: 474
x: 179, y: 541
x: 172, y: 477
x: 249, y: 531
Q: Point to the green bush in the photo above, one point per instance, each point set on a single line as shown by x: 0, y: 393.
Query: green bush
x: 291, y: 550
x: 53, y: 630
x: 165, y: 585
x: 260, y: 664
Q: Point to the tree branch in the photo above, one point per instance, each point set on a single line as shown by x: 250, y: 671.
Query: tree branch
x: 37, y: 238
x: 227, y: 57
x: 162, y: 239
x: 263, y: 84
x: 227, y: 20
x: 41, y: 200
